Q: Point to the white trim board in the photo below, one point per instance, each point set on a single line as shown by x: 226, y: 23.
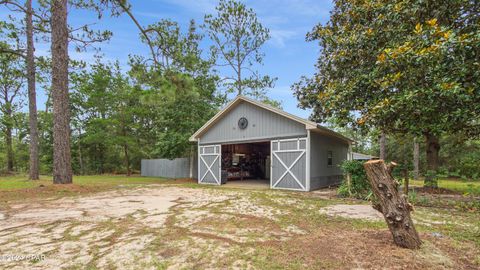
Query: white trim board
x: 307, y: 173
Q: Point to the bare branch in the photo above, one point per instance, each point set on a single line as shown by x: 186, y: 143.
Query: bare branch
x: 21, y: 8
x: 144, y: 33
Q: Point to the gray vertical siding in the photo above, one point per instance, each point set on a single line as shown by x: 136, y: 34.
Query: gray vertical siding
x: 322, y: 175
x: 175, y: 168
x: 299, y: 169
x: 262, y: 124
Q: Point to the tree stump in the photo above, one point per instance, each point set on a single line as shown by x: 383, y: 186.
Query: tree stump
x: 394, y: 206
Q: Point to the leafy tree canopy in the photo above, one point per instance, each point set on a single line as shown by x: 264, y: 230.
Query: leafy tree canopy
x: 406, y: 66
x: 403, y: 66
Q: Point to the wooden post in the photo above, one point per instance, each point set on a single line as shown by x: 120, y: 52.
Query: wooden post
x: 393, y: 205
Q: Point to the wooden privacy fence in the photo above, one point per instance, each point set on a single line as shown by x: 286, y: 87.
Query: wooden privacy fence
x: 170, y: 168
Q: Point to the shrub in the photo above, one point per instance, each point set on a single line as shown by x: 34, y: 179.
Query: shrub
x: 359, y: 186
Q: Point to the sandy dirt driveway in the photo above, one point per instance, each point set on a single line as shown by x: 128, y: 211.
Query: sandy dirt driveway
x: 144, y: 228
x: 175, y: 227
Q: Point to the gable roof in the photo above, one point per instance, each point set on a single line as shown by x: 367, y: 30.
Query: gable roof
x: 309, y: 125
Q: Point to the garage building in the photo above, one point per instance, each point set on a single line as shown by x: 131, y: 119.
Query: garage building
x: 251, y: 140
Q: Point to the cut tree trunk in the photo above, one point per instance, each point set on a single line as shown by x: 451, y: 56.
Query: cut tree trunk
x: 392, y: 204
x: 416, y: 159
x: 432, y: 147
x: 62, y: 169
x: 383, y: 142
x: 32, y: 96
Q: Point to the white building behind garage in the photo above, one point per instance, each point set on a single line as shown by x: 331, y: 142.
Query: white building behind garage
x: 251, y: 140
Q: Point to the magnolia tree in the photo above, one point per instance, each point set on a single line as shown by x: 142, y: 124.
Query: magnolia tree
x: 403, y: 68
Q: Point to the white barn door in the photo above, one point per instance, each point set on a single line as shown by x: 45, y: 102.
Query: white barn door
x: 209, y: 159
x: 289, y: 164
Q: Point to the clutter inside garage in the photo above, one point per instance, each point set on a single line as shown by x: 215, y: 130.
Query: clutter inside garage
x: 245, y: 161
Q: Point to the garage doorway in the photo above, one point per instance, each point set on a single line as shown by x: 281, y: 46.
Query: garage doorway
x: 246, y: 164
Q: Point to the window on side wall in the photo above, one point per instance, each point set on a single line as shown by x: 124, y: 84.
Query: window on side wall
x: 330, y: 158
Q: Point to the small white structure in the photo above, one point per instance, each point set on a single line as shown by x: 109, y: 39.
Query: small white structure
x: 360, y: 156
x: 251, y: 140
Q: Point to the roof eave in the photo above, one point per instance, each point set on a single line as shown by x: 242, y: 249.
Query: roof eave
x: 325, y: 130
x: 194, y: 137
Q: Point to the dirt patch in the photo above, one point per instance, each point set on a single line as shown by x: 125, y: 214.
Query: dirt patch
x: 106, y: 229
x: 94, y: 208
x: 43, y: 191
x: 242, y: 228
x: 330, y: 249
x: 438, y: 190
x: 325, y: 193
x: 184, y: 180
x: 356, y: 211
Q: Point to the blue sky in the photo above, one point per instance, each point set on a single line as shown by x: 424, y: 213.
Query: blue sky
x: 288, y: 55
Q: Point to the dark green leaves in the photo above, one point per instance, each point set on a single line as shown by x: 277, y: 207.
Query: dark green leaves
x: 409, y: 67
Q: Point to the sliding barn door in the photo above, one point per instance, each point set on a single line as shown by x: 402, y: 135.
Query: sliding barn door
x: 209, y: 164
x: 289, y: 164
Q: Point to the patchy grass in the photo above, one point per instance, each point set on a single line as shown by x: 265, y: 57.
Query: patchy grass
x: 225, y: 228
x: 21, y: 181
x: 462, y: 186
x: 18, y: 187
x: 451, y: 194
x: 459, y: 225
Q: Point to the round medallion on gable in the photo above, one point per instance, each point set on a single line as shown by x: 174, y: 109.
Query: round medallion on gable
x: 242, y: 123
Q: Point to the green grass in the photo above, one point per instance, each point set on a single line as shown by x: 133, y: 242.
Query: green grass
x: 21, y: 181
x: 18, y: 187
x: 457, y: 224
x: 462, y: 186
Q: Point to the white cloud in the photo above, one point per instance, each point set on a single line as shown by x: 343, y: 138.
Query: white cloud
x: 279, y: 37
x: 155, y: 15
x: 199, y: 6
x: 281, y: 92
x: 317, y: 8
x: 285, y: 95
x: 274, y: 20
x: 309, y: 7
